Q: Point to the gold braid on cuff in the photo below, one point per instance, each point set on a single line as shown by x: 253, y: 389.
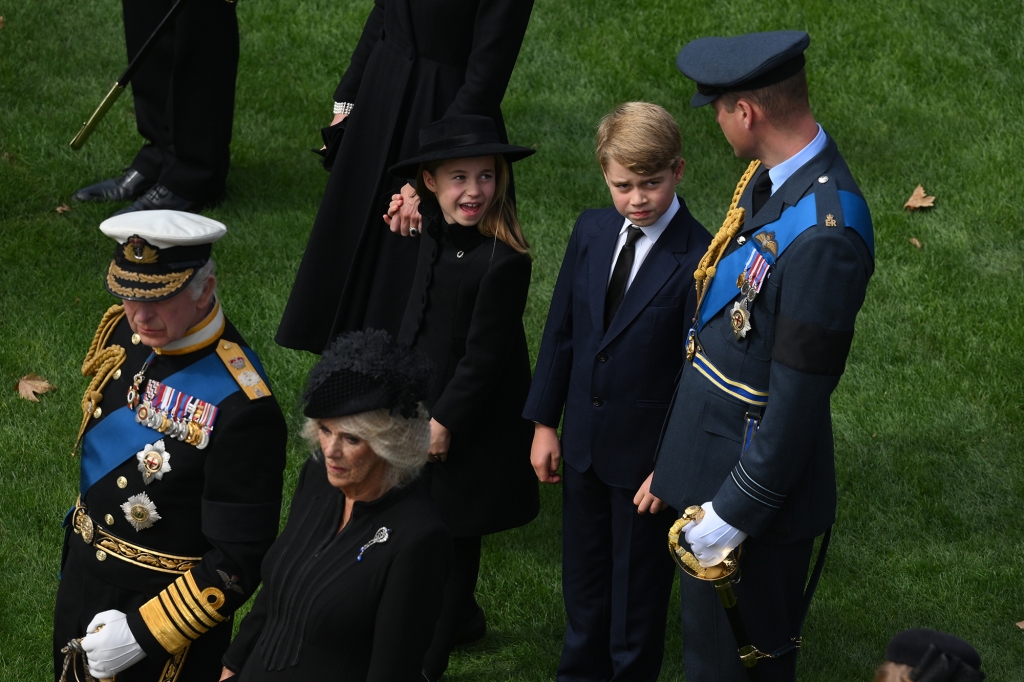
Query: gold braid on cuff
x: 182, y: 612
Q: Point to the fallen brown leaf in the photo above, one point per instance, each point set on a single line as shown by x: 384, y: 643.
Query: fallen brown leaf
x: 916, y: 242
x: 1, y: 22
x: 919, y: 200
x: 1021, y: 625
x: 63, y: 208
x: 31, y: 384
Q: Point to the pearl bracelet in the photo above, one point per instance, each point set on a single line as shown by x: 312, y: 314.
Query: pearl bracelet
x: 343, y: 108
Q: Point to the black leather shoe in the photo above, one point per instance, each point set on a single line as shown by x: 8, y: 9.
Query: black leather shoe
x: 128, y: 187
x: 472, y: 630
x: 159, y: 198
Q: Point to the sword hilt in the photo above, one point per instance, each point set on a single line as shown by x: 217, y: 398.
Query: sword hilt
x: 689, y: 564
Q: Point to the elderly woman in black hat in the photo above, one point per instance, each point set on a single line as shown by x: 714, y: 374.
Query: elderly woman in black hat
x: 466, y: 315
x: 923, y: 655
x: 352, y: 587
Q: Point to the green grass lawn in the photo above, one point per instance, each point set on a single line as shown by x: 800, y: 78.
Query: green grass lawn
x: 927, y: 418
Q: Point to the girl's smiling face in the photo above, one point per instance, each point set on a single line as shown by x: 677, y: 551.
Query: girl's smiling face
x: 464, y: 188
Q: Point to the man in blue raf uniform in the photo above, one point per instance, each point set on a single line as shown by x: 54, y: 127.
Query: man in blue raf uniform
x: 749, y: 434
x: 183, y: 448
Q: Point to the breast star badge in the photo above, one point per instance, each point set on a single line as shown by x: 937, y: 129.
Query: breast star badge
x: 140, y: 511
x: 154, y: 461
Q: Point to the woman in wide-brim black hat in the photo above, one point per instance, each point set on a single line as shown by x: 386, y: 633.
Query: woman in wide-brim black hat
x: 352, y: 587
x: 466, y: 314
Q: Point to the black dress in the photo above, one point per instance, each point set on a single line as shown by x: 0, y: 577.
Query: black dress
x: 415, y: 63
x: 466, y: 314
x: 324, y: 614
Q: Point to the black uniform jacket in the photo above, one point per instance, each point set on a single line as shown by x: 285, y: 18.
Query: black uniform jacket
x: 221, y: 503
x: 784, y: 488
x: 324, y: 613
x: 615, y: 385
x: 466, y: 315
x: 415, y: 62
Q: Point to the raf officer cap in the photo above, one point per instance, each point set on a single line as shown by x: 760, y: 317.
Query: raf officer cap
x: 157, y: 252
x: 747, y: 62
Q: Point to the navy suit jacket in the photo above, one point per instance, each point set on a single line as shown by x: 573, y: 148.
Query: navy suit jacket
x: 615, y: 385
x: 783, y: 488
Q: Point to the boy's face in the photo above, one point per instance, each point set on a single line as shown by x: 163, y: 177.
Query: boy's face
x: 642, y: 199
x: 464, y: 188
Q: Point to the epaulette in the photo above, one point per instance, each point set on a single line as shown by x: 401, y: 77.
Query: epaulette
x: 250, y: 381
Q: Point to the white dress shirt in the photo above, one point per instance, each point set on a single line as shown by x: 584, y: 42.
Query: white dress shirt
x: 784, y: 170
x: 643, y: 245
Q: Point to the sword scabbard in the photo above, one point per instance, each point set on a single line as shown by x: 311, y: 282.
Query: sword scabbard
x: 89, y: 126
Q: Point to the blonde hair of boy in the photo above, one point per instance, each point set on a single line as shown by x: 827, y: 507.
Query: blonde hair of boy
x: 640, y: 136
x: 893, y: 672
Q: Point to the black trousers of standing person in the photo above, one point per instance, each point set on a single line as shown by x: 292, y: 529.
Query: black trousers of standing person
x: 185, y: 94
x: 769, y: 595
x: 459, y: 604
x: 616, y: 581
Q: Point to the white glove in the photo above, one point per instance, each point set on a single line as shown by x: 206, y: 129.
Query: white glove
x: 712, y: 538
x: 113, y: 648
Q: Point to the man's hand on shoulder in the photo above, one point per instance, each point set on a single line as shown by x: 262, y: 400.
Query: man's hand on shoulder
x: 546, y: 454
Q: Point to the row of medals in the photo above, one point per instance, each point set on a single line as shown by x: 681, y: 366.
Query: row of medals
x: 181, y: 429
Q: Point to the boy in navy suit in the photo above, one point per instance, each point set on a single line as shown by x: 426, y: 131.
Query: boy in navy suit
x: 612, y: 347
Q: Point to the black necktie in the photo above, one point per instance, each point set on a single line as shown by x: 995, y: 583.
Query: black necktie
x: 762, y: 192
x: 620, y: 274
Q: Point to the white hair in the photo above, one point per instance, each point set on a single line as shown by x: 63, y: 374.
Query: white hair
x: 402, y: 443
x: 203, y: 275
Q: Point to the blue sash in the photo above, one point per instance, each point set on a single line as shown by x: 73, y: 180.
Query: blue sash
x: 793, y: 222
x: 119, y: 436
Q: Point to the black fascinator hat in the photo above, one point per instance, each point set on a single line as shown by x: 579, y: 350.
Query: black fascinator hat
x: 459, y: 137
x: 935, y: 656
x: 364, y: 371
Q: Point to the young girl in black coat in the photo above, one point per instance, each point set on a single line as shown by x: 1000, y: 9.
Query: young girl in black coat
x: 465, y: 314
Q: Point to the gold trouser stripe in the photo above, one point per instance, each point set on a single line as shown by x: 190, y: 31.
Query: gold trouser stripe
x: 184, y: 611
x: 183, y: 627
x: 161, y: 627
x: 202, y: 597
x: 188, y: 604
x: 172, y: 669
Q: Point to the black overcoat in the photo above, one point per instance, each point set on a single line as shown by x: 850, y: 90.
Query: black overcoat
x: 336, y: 607
x: 415, y: 63
x: 466, y: 315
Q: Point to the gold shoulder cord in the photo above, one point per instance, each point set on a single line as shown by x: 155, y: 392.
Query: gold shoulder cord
x: 732, y: 224
x: 100, y: 363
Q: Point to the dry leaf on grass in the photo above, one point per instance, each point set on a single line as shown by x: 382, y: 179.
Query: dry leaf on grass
x: 63, y: 208
x: 916, y: 242
x: 31, y: 384
x: 1, y: 22
x: 1021, y: 625
x: 919, y: 200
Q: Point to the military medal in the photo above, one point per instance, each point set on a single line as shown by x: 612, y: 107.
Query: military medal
x: 154, y: 461
x: 135, y: 389
x: 749, y: 283
x: 140, y: 511
x: 176, y: 414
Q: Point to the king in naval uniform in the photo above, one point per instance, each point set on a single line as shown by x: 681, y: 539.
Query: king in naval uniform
x: 182, y: 454
x: 749, y: 432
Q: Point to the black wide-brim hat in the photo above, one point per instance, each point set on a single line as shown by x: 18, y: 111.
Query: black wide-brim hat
x: 458, y: 137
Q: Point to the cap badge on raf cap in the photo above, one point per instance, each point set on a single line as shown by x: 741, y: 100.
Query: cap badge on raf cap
x: 158, y: 252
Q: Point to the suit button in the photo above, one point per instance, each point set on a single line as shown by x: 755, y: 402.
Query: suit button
x: 597, y: 402
x: 601, y: 357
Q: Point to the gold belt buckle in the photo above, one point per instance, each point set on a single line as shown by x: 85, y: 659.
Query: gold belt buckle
x: 82, y: 524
